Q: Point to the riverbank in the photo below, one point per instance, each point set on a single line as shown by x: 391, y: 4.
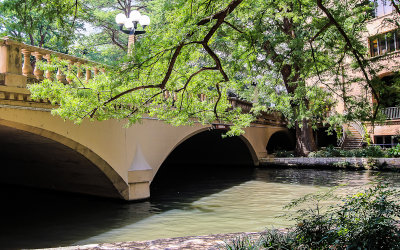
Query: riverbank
x: 335, y: 162
x: 211, y: 242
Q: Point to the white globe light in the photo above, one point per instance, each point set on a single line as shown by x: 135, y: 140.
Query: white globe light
x: 144, y: 21
x: 135, y: 16
x: 128, y: 23
x: 120, y: 18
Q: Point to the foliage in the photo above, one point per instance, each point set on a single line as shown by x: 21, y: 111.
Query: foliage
x: 242, y: 243
x: 369, y: 151
x: 394, y: 151
x: 284, y: 153
x: 365, y: 220
x: 275, y: 239
x: 283, y: 55
x: 102, y: 41
x: 48, y: 23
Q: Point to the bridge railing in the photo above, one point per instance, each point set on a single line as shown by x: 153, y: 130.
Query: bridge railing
x: 18, y: 64
x: 244, y: 105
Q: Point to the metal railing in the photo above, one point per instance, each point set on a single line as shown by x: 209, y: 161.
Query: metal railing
x: 357, y: 125
x: 392, y: 113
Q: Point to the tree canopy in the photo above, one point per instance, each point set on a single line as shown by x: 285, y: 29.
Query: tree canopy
x: 286, y: 55
x: 46, y: 23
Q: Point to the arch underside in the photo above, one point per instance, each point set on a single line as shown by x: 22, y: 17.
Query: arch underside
x: 33, y: 160
x: 281, y: 140
x: 203, y: 155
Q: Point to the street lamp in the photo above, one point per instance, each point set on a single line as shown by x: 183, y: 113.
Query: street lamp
x: 130, y: 24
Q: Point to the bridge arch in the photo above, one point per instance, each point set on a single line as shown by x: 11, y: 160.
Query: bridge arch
x: 203, y: 153
x: 221, y: 131
x: 43, y: 148
x: 281, y: 140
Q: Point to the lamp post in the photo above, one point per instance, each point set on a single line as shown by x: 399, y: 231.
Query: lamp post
x: 131, y: 25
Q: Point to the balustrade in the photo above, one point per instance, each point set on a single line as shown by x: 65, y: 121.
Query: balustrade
x: 392, y: 113
x: 16, y: 71
x: 17, y: 68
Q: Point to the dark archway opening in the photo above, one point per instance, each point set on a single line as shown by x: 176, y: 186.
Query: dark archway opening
x: 325, y: 139
x: 35, y: 161
x: 281, y: 141
x: 204, y: 160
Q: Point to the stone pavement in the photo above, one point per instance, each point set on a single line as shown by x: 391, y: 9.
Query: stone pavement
x: 216, y: 241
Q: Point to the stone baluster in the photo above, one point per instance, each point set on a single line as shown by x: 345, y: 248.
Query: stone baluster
x: 88, y: 74
x: 48, y: 74
x: 166, y: 94
x: 70, y: 64
x: 11, y: 65
x: 96, y: 71
x: 27, y: 69
x: 38, y: 72
x: 60, y: 75
x: 79, y: 71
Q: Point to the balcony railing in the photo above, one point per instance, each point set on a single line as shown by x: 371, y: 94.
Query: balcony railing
x: 392, y: 113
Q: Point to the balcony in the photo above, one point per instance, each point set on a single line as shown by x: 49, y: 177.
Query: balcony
x: 392, y: 113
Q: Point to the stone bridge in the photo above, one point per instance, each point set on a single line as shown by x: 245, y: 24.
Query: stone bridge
x: 98, y: 158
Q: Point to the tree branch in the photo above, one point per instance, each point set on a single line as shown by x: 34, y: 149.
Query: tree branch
x: 360, y: 59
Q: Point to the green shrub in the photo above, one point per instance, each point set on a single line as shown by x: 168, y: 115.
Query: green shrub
x: 370, y: 151
x: 329, y: 151
x: 275, y: 239
x: 394, y: 151
x: 365, y: 220
x: 374, y: 151
x: 242, y: 243
x: 284, y: 153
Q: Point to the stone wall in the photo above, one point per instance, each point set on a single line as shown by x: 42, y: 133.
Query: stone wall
x: 337, y: 162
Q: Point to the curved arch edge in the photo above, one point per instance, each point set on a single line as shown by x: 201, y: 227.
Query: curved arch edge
x: 120, y: 185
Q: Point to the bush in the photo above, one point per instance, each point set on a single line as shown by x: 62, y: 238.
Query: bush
x: 366, y: 220
x: 370, y: 151
x: 284, y: 153
x: 275, y: 239
x: 394, y: 152
x: 329, y: 151
x: 242, y: 243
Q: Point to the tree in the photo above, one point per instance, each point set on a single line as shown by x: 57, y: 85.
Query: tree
x: 105, y: 43
x: 46, y: 23
x: 207, y: 48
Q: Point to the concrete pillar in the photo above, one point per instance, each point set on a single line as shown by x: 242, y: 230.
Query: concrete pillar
x: 140, y: 175
x: 11, y: 66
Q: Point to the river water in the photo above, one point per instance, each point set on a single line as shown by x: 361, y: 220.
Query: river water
x: 235, y: 200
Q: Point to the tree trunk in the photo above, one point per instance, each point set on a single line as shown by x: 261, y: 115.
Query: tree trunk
x: 305, y: 142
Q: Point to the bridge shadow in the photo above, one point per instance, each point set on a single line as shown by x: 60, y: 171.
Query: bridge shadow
x: 205, y: 161
x: 203, y: 165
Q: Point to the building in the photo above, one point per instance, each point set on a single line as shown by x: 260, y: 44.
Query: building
x: 383, y: 39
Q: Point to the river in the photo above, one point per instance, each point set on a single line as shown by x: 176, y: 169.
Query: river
x: 230, y: 200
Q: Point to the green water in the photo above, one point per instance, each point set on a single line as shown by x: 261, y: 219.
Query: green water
x: 236, y: 201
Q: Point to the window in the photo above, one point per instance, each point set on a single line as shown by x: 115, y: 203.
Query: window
x: 386, y: 141
x: 387, y: 42
x: 382, y: 7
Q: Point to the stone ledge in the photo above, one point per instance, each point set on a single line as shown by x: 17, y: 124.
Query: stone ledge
x: 214, y: 242
x: 337, y: 162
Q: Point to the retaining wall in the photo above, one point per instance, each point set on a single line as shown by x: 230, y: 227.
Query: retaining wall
x: 337, y: 162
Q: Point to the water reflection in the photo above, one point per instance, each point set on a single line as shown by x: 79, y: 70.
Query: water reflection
x: 230, y: 201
